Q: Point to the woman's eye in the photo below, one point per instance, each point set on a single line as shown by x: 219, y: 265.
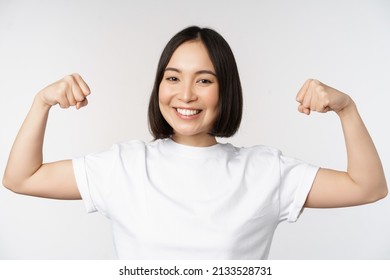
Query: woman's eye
x: 204, y: 81
x: 172, y: 79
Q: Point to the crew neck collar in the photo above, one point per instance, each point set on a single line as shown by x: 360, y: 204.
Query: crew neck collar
x: 190, y: 151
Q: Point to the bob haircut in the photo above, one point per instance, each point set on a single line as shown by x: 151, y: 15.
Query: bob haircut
x: 230, y: 100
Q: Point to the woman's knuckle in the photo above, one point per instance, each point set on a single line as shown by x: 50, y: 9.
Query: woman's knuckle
x: 76, y: 75
x: 69, y: 79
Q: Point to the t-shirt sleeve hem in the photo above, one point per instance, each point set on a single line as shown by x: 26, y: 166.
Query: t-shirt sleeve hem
x: 301, y: 193
x: 82, y: 183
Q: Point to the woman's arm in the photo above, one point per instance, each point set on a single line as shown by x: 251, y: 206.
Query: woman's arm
x: 364, y: 181
x: 25, y: 172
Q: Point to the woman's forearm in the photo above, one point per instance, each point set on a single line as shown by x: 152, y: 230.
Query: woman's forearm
x: 364, y: 165
x: 26, y: 154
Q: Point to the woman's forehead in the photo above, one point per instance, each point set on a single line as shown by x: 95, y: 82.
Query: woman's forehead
x: 191, y: 56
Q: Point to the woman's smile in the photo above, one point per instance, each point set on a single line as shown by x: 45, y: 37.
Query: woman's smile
x: 187, y: 112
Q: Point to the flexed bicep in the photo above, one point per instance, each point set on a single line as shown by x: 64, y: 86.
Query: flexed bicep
x: 52, y: 180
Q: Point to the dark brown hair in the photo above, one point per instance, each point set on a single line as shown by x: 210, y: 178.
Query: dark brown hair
x: 230, y: 93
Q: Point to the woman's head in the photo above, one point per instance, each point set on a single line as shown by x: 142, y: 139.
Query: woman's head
x: 229, y: 107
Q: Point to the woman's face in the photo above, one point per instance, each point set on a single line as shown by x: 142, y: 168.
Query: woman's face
x: 188, y: 95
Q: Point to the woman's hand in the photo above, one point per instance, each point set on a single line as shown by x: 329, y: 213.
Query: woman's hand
x: 316, y: 96
x: 69, y: 91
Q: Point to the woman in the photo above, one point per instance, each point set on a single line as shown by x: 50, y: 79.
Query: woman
x: 184, y: 195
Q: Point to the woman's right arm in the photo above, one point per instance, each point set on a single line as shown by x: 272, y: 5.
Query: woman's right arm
x: 25, y: 172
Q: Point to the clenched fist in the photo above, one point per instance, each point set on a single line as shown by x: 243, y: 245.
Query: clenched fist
x: 69, y: 91
x: 316, y: 96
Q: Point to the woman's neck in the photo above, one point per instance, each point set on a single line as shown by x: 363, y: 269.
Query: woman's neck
x: 195, y: 141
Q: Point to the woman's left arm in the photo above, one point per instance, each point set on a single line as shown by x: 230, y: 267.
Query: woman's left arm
x: 364, y: 181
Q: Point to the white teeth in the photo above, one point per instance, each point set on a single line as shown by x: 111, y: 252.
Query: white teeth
x: 187, y: 112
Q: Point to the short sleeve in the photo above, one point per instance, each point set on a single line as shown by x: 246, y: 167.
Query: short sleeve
x: 92, y: 173
x: 297, y: 178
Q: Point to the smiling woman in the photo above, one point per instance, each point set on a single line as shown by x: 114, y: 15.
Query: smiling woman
x: 184, y: 195
x: 213, y: 64
x: 188, y: 95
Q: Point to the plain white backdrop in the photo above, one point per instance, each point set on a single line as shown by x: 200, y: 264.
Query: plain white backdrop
x: 115, y: 46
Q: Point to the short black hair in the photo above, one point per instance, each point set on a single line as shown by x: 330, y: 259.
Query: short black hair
x: 230, y: 99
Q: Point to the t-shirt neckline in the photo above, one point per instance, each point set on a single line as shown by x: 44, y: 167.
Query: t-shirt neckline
x: 190, y: 151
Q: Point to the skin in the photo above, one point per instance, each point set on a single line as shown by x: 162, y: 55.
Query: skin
x: 189, y: 83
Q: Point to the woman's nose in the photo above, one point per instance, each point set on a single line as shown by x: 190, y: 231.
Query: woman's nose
x: 187, y: 94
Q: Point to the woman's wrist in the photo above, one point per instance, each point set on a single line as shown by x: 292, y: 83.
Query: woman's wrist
x: 349, y: 110
x: 39, y: 103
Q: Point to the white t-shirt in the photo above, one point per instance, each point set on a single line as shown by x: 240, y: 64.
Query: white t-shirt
x: 170, y: 201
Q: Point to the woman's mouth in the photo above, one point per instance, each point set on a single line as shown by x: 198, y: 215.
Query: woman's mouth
x: 187, y: 112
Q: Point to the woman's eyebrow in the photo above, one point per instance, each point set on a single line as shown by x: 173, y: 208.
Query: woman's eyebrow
x: 197, y: 72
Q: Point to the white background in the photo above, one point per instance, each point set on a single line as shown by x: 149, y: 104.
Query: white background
x: 115, y: 46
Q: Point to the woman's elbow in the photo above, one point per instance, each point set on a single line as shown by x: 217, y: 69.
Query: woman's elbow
x: 6, y: 183
x: 380, y: 193
x: 384, y: 192
x: 10, y: 184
